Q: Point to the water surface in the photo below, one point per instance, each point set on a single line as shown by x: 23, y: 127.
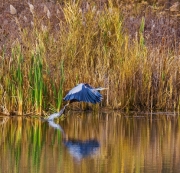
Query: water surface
x: 91, y: 143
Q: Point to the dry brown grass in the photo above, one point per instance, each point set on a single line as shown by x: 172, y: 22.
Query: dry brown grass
x: 131, y: 49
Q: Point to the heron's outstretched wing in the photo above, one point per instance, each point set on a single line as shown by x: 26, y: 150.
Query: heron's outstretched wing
x: 84, y: 93
x: 73, y: 94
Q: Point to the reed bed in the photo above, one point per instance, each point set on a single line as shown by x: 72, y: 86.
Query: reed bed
x: 86, y: 43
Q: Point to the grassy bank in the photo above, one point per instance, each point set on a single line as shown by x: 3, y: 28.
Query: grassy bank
x: 86, y: 44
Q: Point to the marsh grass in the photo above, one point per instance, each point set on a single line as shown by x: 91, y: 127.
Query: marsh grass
x: 88, y: 45
x: 18, y: 78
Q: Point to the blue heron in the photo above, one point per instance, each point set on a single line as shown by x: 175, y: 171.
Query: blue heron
x: 82, y: 92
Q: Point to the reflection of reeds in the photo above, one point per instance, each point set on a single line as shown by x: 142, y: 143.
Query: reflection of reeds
x: 88, y: 45
x: 127, y: 143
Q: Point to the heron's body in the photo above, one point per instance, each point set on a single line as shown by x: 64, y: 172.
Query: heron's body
x: 84, y: 93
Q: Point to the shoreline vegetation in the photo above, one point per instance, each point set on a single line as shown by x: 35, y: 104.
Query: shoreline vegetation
x: 130, y: 48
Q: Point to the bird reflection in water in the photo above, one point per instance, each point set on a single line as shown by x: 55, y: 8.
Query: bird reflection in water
x: 81, y: 149
x: 77, y: 148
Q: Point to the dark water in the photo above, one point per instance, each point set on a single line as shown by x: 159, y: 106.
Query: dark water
x: 91, y: 143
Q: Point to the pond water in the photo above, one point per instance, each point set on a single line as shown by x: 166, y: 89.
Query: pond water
x: 91, y: 143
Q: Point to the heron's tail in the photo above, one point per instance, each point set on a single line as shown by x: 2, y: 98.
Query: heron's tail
x: 100, y: 89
